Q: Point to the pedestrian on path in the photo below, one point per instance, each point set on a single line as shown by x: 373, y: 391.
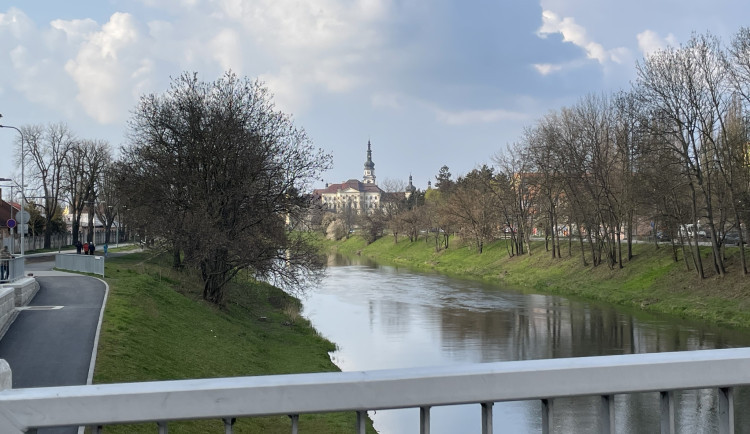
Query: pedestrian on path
x: 105, y: 248
x: 92, y: 248
x: 79, y: 246
x: 5, y: 258
x: 85, y: 248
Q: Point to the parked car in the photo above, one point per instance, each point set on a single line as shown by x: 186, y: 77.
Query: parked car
x: 663, y: 236
x: 689, y: 231
x: 733, y: 237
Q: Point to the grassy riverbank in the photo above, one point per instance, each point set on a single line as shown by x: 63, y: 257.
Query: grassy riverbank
x: 156, y: 327
x: 651, y: 281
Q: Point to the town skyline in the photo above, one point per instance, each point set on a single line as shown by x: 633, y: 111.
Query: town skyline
x: 427, y: 84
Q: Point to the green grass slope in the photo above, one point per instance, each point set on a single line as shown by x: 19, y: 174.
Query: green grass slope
x: 651, y: 280
x: 156, y: 327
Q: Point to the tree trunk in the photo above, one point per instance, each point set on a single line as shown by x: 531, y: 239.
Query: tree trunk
x: 583, y: 249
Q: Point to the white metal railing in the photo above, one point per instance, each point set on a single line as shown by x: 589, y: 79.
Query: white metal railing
x: 485, y: 384
x: 16, y: 269
x: 83, y: 263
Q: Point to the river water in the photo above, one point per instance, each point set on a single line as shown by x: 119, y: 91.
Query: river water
x: 382, y: 317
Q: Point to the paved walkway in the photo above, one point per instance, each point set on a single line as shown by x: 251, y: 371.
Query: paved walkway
x: 53, y: 339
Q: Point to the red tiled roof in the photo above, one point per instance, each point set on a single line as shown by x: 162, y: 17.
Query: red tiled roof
x: 5, y: 211
x: 350, y: 184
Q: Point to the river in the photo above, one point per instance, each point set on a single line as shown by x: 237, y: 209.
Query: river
x: 383, y: 317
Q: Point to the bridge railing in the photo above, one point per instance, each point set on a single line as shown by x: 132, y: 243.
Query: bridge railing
x: 15, y: 267
x: 485, y: 384
x: 83, y: 263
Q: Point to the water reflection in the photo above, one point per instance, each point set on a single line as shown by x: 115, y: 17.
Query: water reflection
x: 383, y: 317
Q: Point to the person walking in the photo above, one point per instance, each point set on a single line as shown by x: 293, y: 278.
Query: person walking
x: 5, y: 258
x: 105, y: 247
x: 86, y: 248
x: 79, y: 246
x: 92, y: 248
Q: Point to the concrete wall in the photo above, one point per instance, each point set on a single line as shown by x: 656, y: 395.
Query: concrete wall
x: 7, y: 305
x: 13, y: 295
x: 25, y: 290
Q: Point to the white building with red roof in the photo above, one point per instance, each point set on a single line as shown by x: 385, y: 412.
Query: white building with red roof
x: 360, y: 196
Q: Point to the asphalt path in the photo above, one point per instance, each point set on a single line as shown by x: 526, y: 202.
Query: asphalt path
x: 52, y: 340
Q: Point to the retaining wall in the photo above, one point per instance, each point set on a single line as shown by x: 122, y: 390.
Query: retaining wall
x: 25, y: 290
x: 13, y: 295
x: 7, y: 305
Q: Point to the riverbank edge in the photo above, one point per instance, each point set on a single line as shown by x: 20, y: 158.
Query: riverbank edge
x: 157, y: 327
x: 651, y: 281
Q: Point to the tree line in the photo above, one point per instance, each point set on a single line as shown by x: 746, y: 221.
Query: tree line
x: 671, y: 153
x: 62, y: 169
x: 211, y: 172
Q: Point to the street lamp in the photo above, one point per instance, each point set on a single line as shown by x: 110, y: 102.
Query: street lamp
x: 23, y: 194
x: 10, y: 230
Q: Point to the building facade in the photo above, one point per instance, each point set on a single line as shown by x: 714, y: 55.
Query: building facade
x: 359, y: 196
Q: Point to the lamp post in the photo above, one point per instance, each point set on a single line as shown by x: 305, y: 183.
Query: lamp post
x: 10, y: 230
x: 23, y: 186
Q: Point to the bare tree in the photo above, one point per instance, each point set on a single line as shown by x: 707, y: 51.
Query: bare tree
x: 84, y: 162
x: 108, y: 199
x: 45, y: 151
x: 230, y: 173
x: 474, y: 207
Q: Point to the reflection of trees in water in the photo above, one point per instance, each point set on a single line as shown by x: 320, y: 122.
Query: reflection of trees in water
x: 467, y: 323
x: 548, y: 327
x: 483, y: 332
x: 395, y: 317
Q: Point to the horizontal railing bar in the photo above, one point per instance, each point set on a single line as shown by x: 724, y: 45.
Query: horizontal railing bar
x: 372, y: 390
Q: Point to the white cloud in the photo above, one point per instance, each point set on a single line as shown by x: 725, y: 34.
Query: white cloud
x: 103, y: 68
x: 387, y: 100
x: 16, y: 23
x: 466, y: 117
x: 315, y: 44
x: 75, y: 31
x: 287, y: 94
x: 547, y: 68
x: 649, y: 42
x: 226, y: 47
x: 576, y: 34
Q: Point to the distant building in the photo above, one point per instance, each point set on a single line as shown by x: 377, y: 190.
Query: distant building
x: 410, y: 189
x: 8, y: 211
x: 360, y: 196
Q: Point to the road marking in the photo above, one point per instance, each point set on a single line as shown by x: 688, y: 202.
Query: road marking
x: 39, y: 307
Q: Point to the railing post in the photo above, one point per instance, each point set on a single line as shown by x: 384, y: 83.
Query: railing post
x: 667, y: 413
x: 487, y: 417
x: 163, y: 427
x: 726, y: 410
x: 361, y: 421
x: 6, y: 382
x: 424, y: 420
x: 229, y: 424
x: 607, y: 414
x: 295, y: 423
x: 547, y: 405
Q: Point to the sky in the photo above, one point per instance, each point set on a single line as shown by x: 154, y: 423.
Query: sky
x: 427, y: 82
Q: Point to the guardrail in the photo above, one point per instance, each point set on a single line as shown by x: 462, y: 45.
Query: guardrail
x: 83, y: 263
x: 16, y: 269
x: 485, y: 384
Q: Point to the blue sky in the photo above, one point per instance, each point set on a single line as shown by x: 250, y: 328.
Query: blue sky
x: 428, y: 82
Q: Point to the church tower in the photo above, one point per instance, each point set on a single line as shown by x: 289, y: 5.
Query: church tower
x: 369, y: 167
x: 410, y: 189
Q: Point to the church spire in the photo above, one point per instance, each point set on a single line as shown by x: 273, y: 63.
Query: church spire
x: 369, y: 167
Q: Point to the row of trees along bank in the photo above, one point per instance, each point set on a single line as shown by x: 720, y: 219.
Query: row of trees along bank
x: 671, y: 153
x: 218, y: 174
x: 65, y: 169
x: 210, y: 169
